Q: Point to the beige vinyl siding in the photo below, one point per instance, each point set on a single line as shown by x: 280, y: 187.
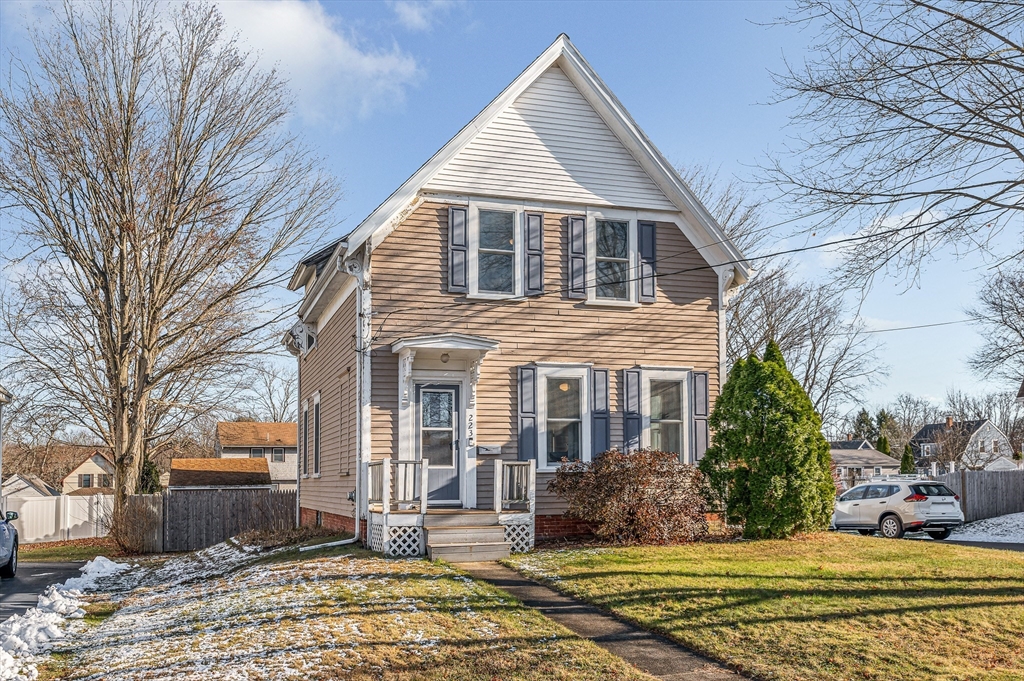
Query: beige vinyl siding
x: 410, y: 299
x: 331, y: 369
x: 550, y: 145
x: 94, y: 466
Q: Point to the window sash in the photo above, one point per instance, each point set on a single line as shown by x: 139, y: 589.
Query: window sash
x: 256, y: 453
x: 305, y: 441
x: 277, y: 454
x: 316, y: 438
x: 547, y: 423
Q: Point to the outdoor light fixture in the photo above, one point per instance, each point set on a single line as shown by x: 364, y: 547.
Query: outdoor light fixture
x: 564, y: 387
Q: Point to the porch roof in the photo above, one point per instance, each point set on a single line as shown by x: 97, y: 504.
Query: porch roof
x: 445, y: 341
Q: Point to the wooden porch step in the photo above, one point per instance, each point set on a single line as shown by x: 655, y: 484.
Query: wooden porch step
x: 464, y: 534
x: 460, y: 518
x: 468, y: 553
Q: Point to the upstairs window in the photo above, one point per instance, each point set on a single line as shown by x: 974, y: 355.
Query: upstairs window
x: 612, y: 259
x: 85, y: 480
x: 496, y: 254
x: 256, y: 453
x: 278, y: 455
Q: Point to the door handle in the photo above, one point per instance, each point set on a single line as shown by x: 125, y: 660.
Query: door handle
x: 856, y: 504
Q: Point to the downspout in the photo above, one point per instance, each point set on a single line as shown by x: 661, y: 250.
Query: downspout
x: 725, y: 279
x: 359, y: 267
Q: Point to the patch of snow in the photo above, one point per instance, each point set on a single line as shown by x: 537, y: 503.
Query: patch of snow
x: 1001, y: 529
x: 96, y: 569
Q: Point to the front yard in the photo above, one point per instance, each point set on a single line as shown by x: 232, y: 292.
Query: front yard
x: 826, y: 606
x: 224, y: 613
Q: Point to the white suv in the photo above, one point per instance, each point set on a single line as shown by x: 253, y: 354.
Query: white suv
x: 897, y: 504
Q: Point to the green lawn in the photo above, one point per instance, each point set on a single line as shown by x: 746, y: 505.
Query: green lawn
x: 829, y: 606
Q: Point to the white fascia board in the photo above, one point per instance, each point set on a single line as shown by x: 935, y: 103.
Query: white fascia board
x: 445, y: 341
x: 312, y: 296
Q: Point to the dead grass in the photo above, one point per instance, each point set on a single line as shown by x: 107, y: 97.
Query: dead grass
x: 826, y: 607
x: 343, y: 615
x: 272, y: 539
x: 68, y: 551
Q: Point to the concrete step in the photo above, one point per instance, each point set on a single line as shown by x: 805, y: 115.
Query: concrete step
x: 464, y: 534
x: 460, y: 518
x: 468, y: 553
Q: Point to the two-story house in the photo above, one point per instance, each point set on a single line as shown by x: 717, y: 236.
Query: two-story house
x: 545, y: 288
x: 977, y: 444
x: 275, y: 442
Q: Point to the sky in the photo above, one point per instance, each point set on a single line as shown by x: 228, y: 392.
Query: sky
x: 380, y: 86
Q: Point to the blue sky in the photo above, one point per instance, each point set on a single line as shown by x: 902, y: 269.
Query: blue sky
x: 380, y: 86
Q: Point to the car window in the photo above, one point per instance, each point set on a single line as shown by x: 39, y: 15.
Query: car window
x: 893, y: 489
x: 854, y: 494
x: 933, y: 490
x: 877, y: 492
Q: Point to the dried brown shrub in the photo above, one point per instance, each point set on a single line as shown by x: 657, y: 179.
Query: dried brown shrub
x: 643, y: 497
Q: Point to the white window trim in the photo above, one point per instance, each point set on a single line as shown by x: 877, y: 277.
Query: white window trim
x: 632, y: 286
x: 473, y: 251
x: 544, y: 372
x: 304, y: 439
x: 318, y: 460
x: 284, y: 454
x: 263, y: 452
x: 684, y: 376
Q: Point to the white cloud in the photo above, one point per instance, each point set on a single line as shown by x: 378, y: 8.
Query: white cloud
x: 420, y: 15
x: 332, y: 74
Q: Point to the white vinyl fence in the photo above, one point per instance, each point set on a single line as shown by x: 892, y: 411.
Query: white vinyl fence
x: 59, y: 518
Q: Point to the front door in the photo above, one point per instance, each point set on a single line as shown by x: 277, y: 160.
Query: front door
x: 437, y: 441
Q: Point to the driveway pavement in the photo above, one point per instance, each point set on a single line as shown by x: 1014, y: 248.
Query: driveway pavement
x: 988, y: 545
x: 20, y: 593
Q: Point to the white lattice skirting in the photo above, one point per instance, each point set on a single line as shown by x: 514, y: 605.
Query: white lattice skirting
x: 519, y: 537
x: 377, y: 537
x: 405, y: 541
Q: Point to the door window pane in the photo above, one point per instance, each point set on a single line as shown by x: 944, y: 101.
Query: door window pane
x: 564, y: 422
x: 612, y: 259
x: 496, y: 260
x: 437, y: 447
x: 437, y: 409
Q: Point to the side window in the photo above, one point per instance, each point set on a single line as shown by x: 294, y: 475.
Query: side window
x: 278, y: 455
x: 564, y: 420
x: 305, y: 438
x: 855, y: 494
x: 667, y: 416
x: 893, y: 489
x: 611, y: 259
x: 496, y: 252
x: 877, y: 492
x: 256, y: 453
x: 316, y: 434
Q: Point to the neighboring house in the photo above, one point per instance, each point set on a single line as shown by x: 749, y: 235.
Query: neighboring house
x: 94, y: 475
x: 237, y: 473
x: 545, y: 288
x: 27, y: 486
x: 275, y: 442
x: 857, y: 461
x: 976, y: 444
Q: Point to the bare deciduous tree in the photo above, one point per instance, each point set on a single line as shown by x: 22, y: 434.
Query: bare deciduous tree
x: 1000, y: 312
x: 908, y: 125
x: 146, y: 162
x: 823, y: 342
x: 272, y: 392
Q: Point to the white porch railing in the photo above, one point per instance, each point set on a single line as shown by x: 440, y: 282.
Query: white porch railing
x: 515, y: 486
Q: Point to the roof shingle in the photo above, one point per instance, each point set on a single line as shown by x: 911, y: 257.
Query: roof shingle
x: 219, y: 472
x: 257, y: 434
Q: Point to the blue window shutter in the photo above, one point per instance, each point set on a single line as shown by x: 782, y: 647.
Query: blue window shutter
x: 700, y: 414
x: 533, y: 266
x: 577, y: 250
x: 527, y: 413
x: 458, y: 248
x: 600, y: 431
x: 646, y: 238
x: 631, y: 416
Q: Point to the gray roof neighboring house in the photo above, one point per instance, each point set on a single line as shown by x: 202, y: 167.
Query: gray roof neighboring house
x: 932, y: 431
x: 850, y: 443
x: 862, y: 458
x: 19, y: 483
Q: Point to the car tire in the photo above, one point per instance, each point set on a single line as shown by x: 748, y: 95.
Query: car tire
x: 939, y: 535
x: 11, y: 568
x: 866, y: 533
x: 891, y: 527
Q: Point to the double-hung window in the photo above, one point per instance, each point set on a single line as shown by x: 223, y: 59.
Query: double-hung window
x: 278, y: 454
x: 305, y: 438
x: 666, y: 411
x: 316, y: 434
x: 85, y: 480
x: 611, y: 259
x: 496, y: 254
x: 494, y: 249
x: 256, y: 452
x: 563, y: 395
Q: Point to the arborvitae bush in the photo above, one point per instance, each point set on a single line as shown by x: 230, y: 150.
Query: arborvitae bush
x: 907, y: 462
x: 769, y: 464
x: 643, y: 497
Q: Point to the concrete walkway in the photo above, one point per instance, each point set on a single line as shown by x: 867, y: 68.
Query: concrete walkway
x: 649, y: 652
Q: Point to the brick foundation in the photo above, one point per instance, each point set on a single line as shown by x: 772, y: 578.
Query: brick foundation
x: 332, y: 521
x: 560, y: 527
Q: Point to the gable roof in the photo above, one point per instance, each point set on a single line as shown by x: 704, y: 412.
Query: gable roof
x: 32, y: 481
x: 643, y: 159
x: 257, y: 434
x: 96, y: 452
x: 931, y: 431
x: 850, y: 444
x: 241, y: 472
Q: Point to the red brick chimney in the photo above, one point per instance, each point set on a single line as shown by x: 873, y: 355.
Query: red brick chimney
x: 949, y: 421
x: 849, y: 436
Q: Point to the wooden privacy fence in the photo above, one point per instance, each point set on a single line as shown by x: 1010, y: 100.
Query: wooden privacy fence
x: 195, y: 519
x: 987, y: 494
